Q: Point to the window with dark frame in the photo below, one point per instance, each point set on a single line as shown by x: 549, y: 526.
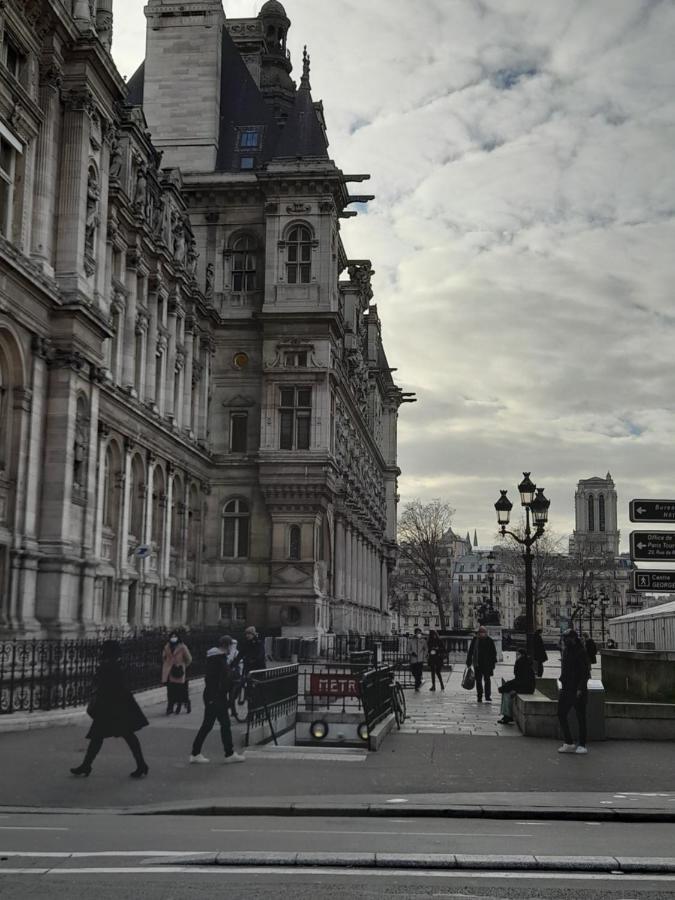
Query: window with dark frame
x: 299, y: 264
x: 295, y: 359
x: 238, y: 432
x: 244, y: 265
x: 295, y: 418
x: 236, y: 518
x: 294, y: 542
x: 12, y: 56
x: 7, y: 172
x: 249, y: 139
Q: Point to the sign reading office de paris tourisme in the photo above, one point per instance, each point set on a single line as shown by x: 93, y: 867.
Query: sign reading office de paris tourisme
x: 652, y: 510
x: 652, y: 546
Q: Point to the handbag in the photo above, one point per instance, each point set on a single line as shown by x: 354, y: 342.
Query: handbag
x: 177, y: 671
x: 468, y: 679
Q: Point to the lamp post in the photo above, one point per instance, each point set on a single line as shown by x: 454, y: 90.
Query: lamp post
x: 603, y: 603
x: 536, y: 504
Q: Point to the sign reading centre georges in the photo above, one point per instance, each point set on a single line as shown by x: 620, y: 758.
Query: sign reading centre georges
x: 659, y: 582
x: 652, y: 546
x: 652, y: 510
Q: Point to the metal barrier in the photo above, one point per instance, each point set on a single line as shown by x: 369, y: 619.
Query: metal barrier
x: 330, y: 688
x: 376, y: 696
x: 272, y: 695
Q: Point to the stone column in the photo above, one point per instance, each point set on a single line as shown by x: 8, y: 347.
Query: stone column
x: 166, y: 533
x: 169, y: 410
x: 187, y: 376
x: 147, y: 538
x: 46, y: 160
x: 103, y: 434
x: 150, y: 391
x: 129, y: 343
x: 339, y: 558
x: 347, y: 579
x: 384, y: 586
x: 141, y: 330
x: 123, y: 536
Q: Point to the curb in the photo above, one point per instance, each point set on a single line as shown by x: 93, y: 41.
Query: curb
x: 610, y: 864
x: 378, y: 810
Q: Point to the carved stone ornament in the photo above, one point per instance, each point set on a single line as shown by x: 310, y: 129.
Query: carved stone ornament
x: 301, y: 208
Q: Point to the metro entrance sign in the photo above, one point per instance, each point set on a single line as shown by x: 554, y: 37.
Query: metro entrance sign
x: 660, y: 582
x: 652, y: 546
x: 652, y: 510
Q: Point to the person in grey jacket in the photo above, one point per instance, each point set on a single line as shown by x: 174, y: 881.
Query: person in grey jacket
x: 417, y: 648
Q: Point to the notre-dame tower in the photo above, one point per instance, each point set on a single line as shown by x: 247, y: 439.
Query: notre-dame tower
x: 596, y: 529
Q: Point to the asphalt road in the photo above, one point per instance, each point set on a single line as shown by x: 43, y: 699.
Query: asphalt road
x: 180, y: 835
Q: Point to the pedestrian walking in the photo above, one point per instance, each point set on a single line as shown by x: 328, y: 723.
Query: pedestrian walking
x: 521, y: 683
x: 217, y: 684
x: 574, y: 675
x: 482, y: 656
x: 114, y: 712
x: 417, y: 649
x: 435, y: 655
x: 252, y: 652
x: 591, y: 649
x: 176, y: 658
x: 539, y: 653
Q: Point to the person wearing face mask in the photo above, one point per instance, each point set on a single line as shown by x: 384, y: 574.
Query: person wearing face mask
x: 176, y: 658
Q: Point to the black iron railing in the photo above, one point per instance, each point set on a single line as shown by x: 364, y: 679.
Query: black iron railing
x: 272, y: 695
x: 376, y: 695
x: 42, y: 675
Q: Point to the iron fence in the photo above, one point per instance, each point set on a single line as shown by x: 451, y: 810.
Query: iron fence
x: 376, y: 695
x: 41, y: 675
x: 334, y: 687
x: 272, y: 695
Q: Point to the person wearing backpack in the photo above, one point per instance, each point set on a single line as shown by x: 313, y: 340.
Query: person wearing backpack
x: 217, y: 684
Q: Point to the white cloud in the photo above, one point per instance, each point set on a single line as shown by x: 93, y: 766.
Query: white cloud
x: 523, y: 230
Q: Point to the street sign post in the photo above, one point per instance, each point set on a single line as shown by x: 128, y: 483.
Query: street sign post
x: 658, y: 582
x: 652, y: 510
x: 652, y: 546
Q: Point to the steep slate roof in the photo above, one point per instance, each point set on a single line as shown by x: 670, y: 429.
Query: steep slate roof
x: 241, y: 104
x: 136, y: 86
x: 302, y: 134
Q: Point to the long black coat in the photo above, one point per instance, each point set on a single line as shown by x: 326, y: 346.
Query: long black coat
x: 524, y: 682
x: 113, y: 708
x: 482, y: 655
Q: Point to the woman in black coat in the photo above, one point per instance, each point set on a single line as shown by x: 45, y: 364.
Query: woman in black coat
x: 114, y: 711
x: 436, y: 655
x: 522, y: 683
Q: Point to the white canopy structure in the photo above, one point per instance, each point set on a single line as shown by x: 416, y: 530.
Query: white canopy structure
x: 646, y: 629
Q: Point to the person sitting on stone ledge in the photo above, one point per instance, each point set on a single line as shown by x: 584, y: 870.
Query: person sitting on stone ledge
x: 521, y: 683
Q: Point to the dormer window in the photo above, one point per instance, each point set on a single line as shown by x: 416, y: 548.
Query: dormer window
x: 249, y: 139
x: 295, y: 359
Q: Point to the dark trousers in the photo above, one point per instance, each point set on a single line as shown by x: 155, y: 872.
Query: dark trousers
x: 482, y: 678
x: 539, y: 668
x: 436, y: 667
x: 417, y: 668
x: 133, y: 743
x: 568, y: 700
x: 214, y: 711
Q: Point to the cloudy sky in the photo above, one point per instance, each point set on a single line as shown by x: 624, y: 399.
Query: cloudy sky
x: 523, y: 233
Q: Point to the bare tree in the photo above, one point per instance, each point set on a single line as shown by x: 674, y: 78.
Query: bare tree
x: 422, y: 527
x: 550, y: 568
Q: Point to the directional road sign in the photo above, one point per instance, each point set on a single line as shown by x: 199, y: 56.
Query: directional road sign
x: 659, y: 582
x: 652, y: 510
x: 652, y: 546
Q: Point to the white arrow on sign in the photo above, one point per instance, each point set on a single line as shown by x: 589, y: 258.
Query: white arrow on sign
x: 641, y: 510
x: 641, y: 546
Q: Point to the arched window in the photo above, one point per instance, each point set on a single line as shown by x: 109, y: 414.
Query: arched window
x: 299, y: 265
x: 244, y: 265
x: 136, y: 497
x: 158, y: 507
x: 236, y: 518
x: 591, y: 513
x: 107, y: 488
x: 601, y: 512
x: 294, y: 542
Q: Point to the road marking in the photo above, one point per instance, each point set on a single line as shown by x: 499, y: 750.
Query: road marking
x: 397, y: 800
x: 389, y: 833
x: 31, y: 828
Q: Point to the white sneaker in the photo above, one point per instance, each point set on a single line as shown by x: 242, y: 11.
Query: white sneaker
x: 581, y: 749
x: 234, y: 758
x: 199, y: 758
x: 567, y: 748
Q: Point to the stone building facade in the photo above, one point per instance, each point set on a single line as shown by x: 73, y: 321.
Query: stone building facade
x: 596, y: 532
x: 197, y: 416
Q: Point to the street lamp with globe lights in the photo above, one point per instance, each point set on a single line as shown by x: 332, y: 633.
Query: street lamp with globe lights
x: 535, y: 503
